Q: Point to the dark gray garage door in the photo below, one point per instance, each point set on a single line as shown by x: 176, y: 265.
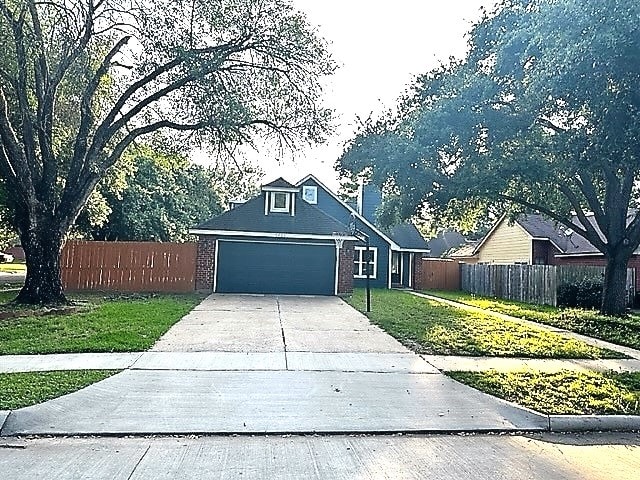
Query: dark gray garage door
x: 266, y: 267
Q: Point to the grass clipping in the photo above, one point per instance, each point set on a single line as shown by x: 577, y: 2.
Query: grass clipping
x: 561, y: 393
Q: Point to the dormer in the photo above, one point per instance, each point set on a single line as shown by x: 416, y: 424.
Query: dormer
x: 280, y: 197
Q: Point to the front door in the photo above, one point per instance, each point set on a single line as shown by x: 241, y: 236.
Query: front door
x: 395, y: 268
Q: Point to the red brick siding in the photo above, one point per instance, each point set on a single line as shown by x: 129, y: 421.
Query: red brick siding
x: 418, y: 271
x: 600, y: 261
x: 205, y: 261
x: 345, y: 268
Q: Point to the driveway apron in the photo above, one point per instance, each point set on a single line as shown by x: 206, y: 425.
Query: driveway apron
x: 273, y: 364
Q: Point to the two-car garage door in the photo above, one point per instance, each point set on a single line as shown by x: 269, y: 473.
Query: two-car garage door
x: 275, y: 267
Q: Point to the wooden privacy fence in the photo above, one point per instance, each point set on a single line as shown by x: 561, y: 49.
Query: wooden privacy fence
x: 128, y: 266
x: 531, y: 283
x: 438, y: 274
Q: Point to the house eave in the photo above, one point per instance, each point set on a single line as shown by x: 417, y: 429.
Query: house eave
x: 299, y: 236
x: 392, y: 244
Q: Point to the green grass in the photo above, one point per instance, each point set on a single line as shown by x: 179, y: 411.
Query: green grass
x: 619, y: 330
x: 19, y: 390
x: 120, y: 324
x: 13, y: 267
x: 562, y: 393
x: 433, y: 328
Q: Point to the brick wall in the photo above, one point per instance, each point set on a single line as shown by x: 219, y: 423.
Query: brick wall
x: 205, y: 260
x: 600, y: 261
x: 345, y: 269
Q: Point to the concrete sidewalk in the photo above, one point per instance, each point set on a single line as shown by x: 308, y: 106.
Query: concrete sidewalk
x: 267, y: 364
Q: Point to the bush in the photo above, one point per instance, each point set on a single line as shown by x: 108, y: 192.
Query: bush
x: 585, y: 294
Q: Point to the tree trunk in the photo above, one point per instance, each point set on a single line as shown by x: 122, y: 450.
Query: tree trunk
x: 43, y: 285
x: 614, y: 288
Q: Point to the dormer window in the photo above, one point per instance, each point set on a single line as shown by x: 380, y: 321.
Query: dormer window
x: 280, y: 202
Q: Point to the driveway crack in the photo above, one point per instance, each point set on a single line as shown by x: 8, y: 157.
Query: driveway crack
x: 284, y: 340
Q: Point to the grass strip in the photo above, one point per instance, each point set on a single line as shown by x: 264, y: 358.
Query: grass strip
x: 108, y: 324
x: 561, y: 393
x: 19, y: 390
x: 433, y: 328
x: 619, y: 330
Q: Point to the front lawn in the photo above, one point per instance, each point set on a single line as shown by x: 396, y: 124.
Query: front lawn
x: 19, y: 390
x: 431, y: 327
x: 103, y: 324
x: 561, y: 393
x: 618, y: 330
x: 13, y: 267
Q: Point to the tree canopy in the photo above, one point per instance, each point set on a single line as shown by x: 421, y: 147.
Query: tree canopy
x: 543, y: 114
x: 81, y: 80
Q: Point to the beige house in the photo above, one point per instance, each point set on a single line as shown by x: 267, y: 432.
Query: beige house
x: 530, y: 239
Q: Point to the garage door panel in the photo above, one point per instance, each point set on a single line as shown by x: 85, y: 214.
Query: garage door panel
x: 286, y: 268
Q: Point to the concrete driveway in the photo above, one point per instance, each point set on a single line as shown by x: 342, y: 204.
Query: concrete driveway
x: 273, y: 364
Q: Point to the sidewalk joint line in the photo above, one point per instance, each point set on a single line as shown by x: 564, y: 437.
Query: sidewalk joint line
x: 284, y: 340
x: 139, y: 462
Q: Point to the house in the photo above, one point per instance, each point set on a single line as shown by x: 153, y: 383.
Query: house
x: 445, y: 242
x: 299, y: 239
x: 533, y: 239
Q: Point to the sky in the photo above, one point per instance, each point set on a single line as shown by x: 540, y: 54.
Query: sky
x: 379, y: 46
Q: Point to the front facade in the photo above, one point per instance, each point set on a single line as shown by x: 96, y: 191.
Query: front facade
x: 298, y: 239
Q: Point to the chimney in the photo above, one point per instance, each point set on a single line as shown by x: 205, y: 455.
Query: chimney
x: 369, y: 199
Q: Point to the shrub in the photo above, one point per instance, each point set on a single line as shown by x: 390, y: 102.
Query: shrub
x: 585, y: 294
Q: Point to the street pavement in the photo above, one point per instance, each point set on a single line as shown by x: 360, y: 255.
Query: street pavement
x: 273, y: 364
x: 363, y: 457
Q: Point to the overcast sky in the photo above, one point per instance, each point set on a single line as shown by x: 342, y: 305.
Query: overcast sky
x: 380, y: 46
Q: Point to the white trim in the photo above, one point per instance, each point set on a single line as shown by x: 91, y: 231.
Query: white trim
x: 591, y: 254
x: 230, y: 240
x: 280, y: 189
x: 293, y: 205
x: 411, y: 255
x: 266, y: 203
x: 360, y: 261
x: 389, y: 276
x: 215, y: 268
x: 393, y: 244
x: 414, y: 250
x: 337, y: 270
x: 401, y: 269
x: 272, y: 202
x: 313, y: 188
x: 239, y: 233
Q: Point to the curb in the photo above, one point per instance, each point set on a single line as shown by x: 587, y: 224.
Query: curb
x: 593, y: 423
x: 4, y: 415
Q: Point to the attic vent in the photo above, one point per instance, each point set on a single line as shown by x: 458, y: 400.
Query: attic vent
x: 310, y: 194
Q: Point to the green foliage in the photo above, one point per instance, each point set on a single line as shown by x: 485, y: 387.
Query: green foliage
x: 112, y: 325
x: 18, y: 390
x: 562, y: 393
x: 543, y: 114
x: 623, y: 330
x: 585, y: 294
x: 164, y: 197
x: 433, y: 328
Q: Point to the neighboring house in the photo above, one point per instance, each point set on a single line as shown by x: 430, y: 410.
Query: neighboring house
x: 464, y: 253
x: 296, y: 239
x: 444, y: 242
x: 533, y: 239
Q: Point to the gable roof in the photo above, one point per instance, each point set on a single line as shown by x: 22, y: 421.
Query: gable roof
x: 408, y: 237
x: 279, y: 183
x: 444, y: 242
x: 538, y: 227
x: 250, y: 217
x: 411, y: 242
x: 393, y: 244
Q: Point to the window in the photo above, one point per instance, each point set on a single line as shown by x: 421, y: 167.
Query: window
x: 279, y: 202
x: 310, y: 194
x: 360, y: 262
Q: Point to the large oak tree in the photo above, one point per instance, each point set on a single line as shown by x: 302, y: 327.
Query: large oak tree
x: 83, y: 79
x: 543, y: 114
